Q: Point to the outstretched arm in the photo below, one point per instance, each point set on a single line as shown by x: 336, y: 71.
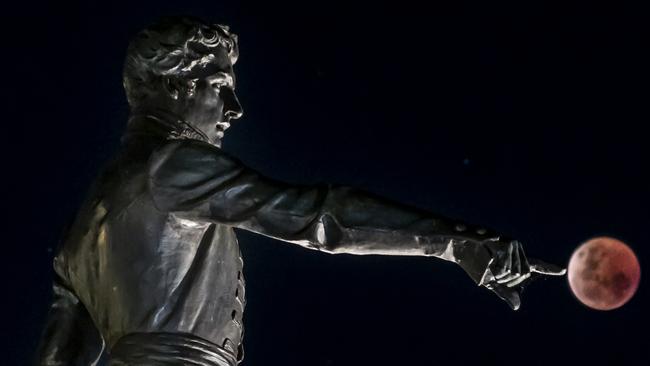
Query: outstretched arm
x: 199, y: 181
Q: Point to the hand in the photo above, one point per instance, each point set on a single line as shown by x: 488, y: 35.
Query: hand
x: 504, y: 268
x: 509, y: 269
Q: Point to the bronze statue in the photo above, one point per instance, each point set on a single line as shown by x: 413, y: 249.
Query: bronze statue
x: 151, y: 267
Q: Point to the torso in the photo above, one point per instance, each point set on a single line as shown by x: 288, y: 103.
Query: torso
x: 139, y: 269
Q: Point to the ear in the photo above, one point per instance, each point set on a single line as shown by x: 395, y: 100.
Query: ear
x: 170, y: 85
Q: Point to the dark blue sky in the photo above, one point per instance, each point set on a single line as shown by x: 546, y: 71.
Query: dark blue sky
x: 527, y: 118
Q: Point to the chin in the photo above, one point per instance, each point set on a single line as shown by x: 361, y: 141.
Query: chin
x: 216, y: 139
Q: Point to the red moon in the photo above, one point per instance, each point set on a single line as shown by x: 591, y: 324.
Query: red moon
x: 604, y: 273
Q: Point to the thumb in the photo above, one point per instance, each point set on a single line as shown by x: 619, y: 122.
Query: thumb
x: 507, y: 294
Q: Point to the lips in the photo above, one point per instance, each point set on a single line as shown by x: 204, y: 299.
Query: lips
x: 222, y: 126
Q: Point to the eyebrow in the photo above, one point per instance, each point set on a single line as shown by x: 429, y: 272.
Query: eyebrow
x: 230, y: 80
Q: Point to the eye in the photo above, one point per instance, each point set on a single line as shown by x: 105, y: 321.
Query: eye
x: 221, y: 81
x: 217, y: 86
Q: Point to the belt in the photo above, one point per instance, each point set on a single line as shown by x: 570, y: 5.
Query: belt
x: 168, y: 349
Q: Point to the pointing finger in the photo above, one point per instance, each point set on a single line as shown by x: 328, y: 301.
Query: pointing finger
x: 544, y: 268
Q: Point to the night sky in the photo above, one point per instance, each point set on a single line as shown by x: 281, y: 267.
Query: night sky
x: 526, y: 118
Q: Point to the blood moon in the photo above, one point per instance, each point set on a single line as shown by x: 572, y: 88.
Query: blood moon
x: 604, y: 273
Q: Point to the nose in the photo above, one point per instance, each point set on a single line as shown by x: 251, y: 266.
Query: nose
x: 232, y: 107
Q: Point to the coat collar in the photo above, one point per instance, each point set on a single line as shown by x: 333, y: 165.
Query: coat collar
x: 162, y: 124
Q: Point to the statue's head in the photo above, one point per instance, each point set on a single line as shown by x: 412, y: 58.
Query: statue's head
x: 183, y: 66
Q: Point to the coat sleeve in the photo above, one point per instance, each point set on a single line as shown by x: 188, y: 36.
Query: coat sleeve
x: 70, y: 336
x: 201, y: 182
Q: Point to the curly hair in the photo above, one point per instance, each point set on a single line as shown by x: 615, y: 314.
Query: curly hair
x: 174, y: 46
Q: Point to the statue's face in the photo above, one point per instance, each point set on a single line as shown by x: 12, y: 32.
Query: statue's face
x: 213, y: 104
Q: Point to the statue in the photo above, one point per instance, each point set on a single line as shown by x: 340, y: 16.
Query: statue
x: 151, y: 269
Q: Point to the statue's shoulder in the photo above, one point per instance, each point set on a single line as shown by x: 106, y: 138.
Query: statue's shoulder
x: 181, y: 172
x: 186, y: 155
